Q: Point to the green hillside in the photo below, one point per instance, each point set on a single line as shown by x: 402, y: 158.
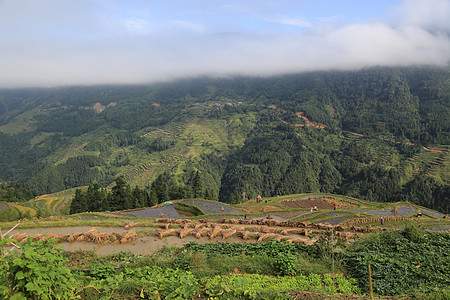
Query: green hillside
x: 379, y: 134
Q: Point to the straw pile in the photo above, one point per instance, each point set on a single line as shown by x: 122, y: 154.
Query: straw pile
x: 266, y: 236
x: 203, y: 231
x: 163, y: 233
x: 183, y: 233
x: 215, y: 232
x: 226, y: 234
x: 129, y: 225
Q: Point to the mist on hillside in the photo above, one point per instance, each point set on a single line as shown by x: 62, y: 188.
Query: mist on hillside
x: 42, y: 45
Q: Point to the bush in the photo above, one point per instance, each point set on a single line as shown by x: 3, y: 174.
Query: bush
x: 38, y: 272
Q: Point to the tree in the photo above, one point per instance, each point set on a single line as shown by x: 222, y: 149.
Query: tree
x: 198, y: 188
x: 121, y: 195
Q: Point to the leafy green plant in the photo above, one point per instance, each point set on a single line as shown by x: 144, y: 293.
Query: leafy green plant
x: 401, y: 262
x: 38, y: 272
x: 255, y: 286
x: 149, y: 283
x: 285, y: 264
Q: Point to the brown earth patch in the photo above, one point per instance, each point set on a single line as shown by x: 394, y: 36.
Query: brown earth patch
x: 260, y: 209
x: 319, y: 202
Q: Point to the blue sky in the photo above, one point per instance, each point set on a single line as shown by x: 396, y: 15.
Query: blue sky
x: 63, y: 42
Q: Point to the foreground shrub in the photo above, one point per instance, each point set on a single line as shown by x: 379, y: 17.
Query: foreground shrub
x: 254, y: 286
x: 402, y: 262
x: 38, y: 272
x: 148, y: 283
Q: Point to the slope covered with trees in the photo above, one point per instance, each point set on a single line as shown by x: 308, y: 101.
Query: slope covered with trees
x: 381, y: 134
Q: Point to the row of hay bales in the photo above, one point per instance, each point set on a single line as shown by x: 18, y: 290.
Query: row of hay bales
x: 376, y: 219
x: 92, y: 235
x: 164, y: 223
x: 226, y: 232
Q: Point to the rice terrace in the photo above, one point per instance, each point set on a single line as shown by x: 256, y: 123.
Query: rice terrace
x: 308, y: 231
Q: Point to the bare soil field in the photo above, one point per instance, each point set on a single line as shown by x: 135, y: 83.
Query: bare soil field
x: 165, y: 211
x: 211, y: 207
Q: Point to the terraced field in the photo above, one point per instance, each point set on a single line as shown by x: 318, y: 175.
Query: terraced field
x: 3, y: 206
x: 165, y: 211
x: 212, y: 207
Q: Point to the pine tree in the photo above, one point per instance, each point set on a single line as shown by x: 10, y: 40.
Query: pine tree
x: 198, y: 189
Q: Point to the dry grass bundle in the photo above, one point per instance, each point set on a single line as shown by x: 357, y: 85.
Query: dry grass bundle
x: 80, y: 238
x: 233, y: 221
x: 163, y: 221
x: 226, y: 234
x: 91, y: 234
x: 278, y: 237
x: 38, y: 237
x: 164, y: 226
x: 20, y: 236
x: 237, y: 228
x: 101, y: 238
x: 128, y: 236
x: 129, y: 225
x: 117, y: 235
x: 203, y: 231
x: 64, y: 238
x: 245, y: 235
x: 74, y: 236
x: 215, y: 232
x: 302, y: 241
x: 183, y: 233
x: 164, y: 233
x: 265, y: 237
x: 58, y: 237
x: 198, y: 225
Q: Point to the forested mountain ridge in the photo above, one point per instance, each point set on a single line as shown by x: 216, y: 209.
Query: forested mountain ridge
x: 251, y: 135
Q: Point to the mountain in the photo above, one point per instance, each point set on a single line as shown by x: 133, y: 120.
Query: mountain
x: 381, y: 134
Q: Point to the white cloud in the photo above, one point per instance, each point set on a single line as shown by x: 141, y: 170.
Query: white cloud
x: 299, y: 22
x: 41, y: 47
x: 434, y: 14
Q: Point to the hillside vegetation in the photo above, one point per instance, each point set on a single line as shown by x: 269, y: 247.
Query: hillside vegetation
x: 380, y: 134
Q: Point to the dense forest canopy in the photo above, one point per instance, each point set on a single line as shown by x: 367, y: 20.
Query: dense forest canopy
x: 381, y: 134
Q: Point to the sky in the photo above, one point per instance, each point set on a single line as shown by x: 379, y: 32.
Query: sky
x: 81, y: 42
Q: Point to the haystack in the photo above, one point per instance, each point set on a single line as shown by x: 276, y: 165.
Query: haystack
x: 128, y: 236
x: 265, y: 237
x: 237, y: 228
x: 38, y: 237
x: 129, y: 225
x: 183, y: 233
x: 164, y: 233
x: 20, y: 236
x: 245, y: 235
x: 226, y: 234
x: 197, y: 226
x: 80, y: 238
x: 91, y: 234
x: 202, y: 232
x: 215, y: 232
x: 164, y: 226
x: 74, y: 236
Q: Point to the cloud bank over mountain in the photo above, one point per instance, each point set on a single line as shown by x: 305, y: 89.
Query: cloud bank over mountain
x: 50, y: 42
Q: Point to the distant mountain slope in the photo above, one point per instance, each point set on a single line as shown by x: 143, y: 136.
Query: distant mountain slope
x: 356, y: 133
